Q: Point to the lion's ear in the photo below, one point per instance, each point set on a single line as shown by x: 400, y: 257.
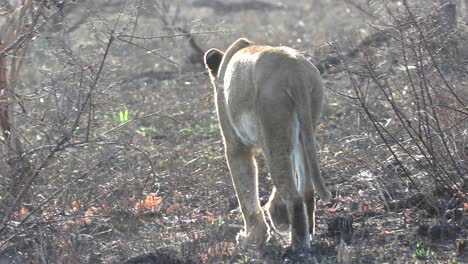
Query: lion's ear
x: 213, y: 59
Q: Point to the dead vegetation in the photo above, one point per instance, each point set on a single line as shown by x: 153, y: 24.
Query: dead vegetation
x: 110, y: 150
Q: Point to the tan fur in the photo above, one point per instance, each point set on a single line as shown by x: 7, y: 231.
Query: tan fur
x: 270, y: 98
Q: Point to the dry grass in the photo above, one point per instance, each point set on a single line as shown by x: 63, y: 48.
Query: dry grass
x: 120, y: 130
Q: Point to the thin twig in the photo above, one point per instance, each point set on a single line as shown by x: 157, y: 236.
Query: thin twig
x: 152, y: 52
x: 214, y: 32
x: 124, y: 124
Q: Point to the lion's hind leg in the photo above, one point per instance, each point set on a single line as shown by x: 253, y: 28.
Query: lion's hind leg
x: 277, y: 211
x: 244, y: 176
x: 277, y: 142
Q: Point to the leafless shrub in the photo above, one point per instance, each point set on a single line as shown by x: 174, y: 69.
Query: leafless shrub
x: 413, y: 92
x: 66, y: 143
x: 78, y: 125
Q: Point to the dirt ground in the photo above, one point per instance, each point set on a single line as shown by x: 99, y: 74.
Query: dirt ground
x: 164, y: 195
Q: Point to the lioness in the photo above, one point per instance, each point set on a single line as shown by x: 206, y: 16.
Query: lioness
x: 270, y: 98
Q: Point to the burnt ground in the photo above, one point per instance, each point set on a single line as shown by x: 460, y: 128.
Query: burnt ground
x: 372, y: 218
x: 164, y: 195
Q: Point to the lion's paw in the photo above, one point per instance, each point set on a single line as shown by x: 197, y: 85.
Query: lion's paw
x: 278, y: 214
x: 256, y: 236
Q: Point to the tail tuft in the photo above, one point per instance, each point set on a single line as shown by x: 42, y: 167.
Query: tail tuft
x: 325, y: 196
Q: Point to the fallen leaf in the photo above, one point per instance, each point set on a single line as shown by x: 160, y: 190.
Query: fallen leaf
x: 105, y: 209
x: 91, y: 211
x: 74, y: 205
x: 219, y: 250
x: 23, y: 211
x: 170, y: 209
x: 208, y: 218
x: 152, y: 200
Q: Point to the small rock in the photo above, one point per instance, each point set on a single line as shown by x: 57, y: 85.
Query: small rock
x: 342, y: 227
x: 158, y: 258
x: 455, y: 215
x: 460, y: 247
x: 441, y: 231
x: 423, y: 230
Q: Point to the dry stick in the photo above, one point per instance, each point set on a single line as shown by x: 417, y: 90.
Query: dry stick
x: 453, y: 109
x: 17, y: 44
x: 29, y: 181
x: 429, y: 135
x: 142, y: 102
x: 453, y: 126
x: 426, y: 87
x: 412, y: 85
x: 16, y: 26
x: 15, y: 67
x: 138, y: 118
x: 427, y: 138
x: 136, y: 20
x: 378, y: 127
x: 360, y: 8
x: 153, y: 169
x: 175, y: 35
x: 152, y: 52
x: 438, y: 126
x: 4, y: 98
x: 48, y: 200
x: 436, y: 66
x: 376, y: 124
x: 65, y: 138
x: 409, y: 128
x: 145, y: 116
x: 400, y: 118
x: 425, y: 121
x: 382, y: 195
x: 96, y: 80
x: 421, y: 126
x: 340, y: 93
x: 84, y: 175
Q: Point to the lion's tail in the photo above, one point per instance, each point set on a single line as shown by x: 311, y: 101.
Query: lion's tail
x: 303, y: 101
